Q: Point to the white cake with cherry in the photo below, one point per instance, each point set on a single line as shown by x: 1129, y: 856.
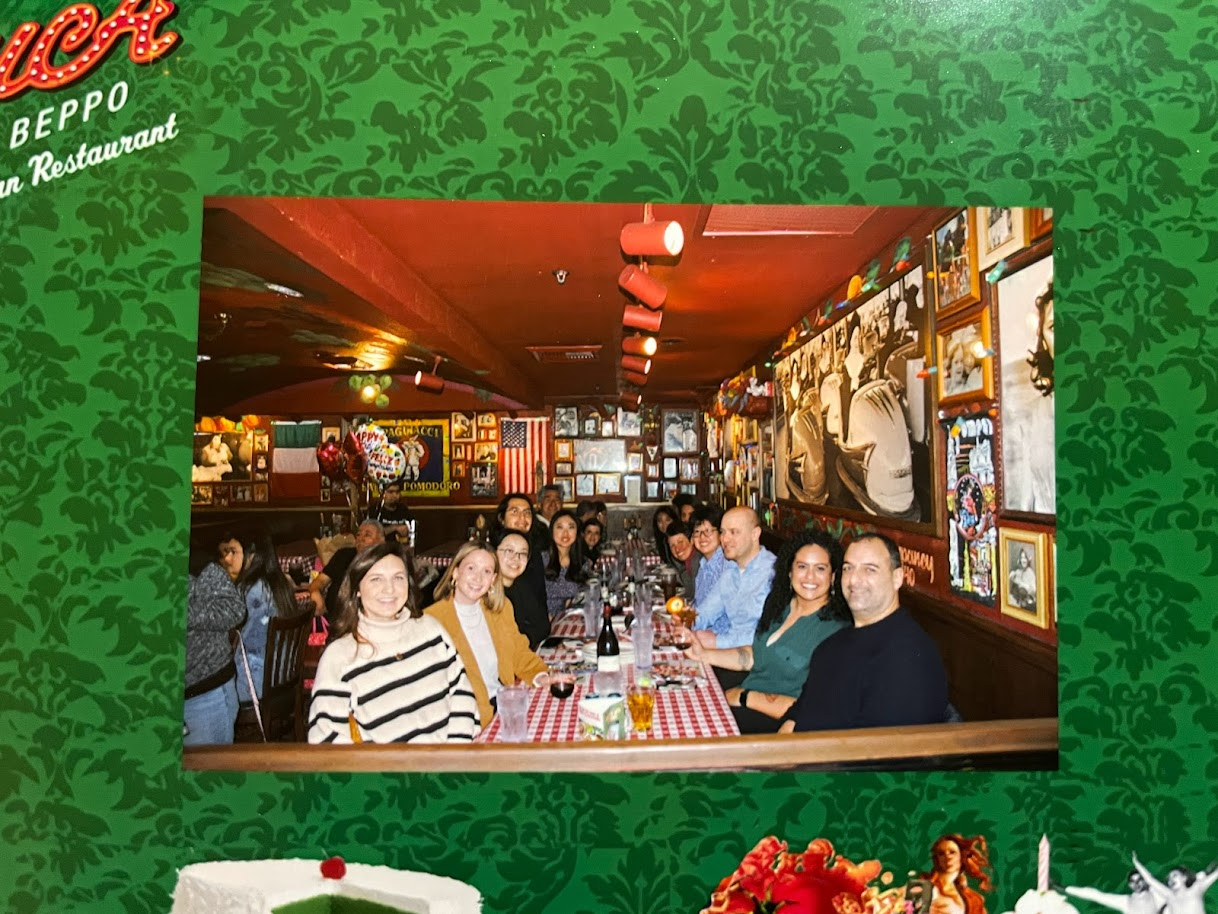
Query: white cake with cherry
x: 313, y: 887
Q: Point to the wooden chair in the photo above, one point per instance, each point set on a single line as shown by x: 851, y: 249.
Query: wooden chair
x: 281, y: 703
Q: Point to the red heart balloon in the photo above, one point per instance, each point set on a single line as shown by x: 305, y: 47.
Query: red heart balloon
x: 330, y: 458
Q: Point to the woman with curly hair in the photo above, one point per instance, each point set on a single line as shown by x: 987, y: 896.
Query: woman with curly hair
x: 956, y: 858
x: 804, y: 607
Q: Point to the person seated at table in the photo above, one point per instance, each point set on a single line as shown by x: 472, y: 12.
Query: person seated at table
x: 660, y: 520
x: 803, y: 608
x: 393, y: 513
x: 884, y: 670
x: 683, y: 557
x: 684, y: 505
x: 727, y: 616
x: 268, y: 592
x: 591, y: 534
x: 529, y: 610
x: 602, y: 513
x: 214, y: 607
x: 707, y: 519
x: 566, y: 568
x: 516, y: 513
x: 478, y: 618
x: 391, y: 675
x: 324, y: 588
x: 584, y: 510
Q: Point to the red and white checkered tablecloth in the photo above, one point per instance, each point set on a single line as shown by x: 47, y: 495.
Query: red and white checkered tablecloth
x: 691, y: 712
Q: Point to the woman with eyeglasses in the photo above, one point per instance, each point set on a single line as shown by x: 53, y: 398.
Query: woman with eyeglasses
x: 528, y: 606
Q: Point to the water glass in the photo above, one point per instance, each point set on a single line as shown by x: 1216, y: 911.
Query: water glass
x: 513, y: 705
x: 592, y: 618
x: 643, y: 633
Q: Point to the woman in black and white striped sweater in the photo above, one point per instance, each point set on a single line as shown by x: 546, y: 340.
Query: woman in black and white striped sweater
x: 391, y: 674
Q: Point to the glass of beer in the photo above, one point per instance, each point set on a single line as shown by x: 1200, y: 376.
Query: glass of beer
x: 641, y: 699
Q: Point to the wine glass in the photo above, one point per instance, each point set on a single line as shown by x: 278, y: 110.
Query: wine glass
x: 687, y: 616
x: 562, y: 681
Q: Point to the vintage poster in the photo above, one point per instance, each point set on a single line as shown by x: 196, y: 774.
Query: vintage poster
x: 971, y: 533
x: 424, y: 444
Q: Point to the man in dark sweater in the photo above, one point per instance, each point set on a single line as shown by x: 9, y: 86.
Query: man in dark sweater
x: 883, y: 672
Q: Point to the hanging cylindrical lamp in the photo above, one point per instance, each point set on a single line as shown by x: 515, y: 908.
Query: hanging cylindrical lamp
x: 631, y: 399
x: 639, y: 380
x: 639, y: 318
x: 652, y: 239
x: 429, y: 381
x: 638, y: 344
x: 637, y: 283
x: 636, y: 363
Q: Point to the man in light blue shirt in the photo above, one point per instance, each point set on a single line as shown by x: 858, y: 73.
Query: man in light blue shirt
x: 728, y: 614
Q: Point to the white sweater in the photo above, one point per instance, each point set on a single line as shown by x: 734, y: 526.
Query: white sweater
x: 406, y: 683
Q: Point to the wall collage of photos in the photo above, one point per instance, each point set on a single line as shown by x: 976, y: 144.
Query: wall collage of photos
x: 923, y: 403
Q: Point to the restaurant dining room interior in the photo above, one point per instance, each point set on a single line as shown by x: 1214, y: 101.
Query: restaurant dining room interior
x: 839, y: 368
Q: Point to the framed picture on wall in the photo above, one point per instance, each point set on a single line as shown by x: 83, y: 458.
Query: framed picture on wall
x: 634, y: 463
x: 486, y: 420
x: 1025, y: 588
x: 608, y: 483
x: 200, y: 494
x: 601, y: 455
x: 484, y: 480
x: 653, y: 489
x: 607, y: 428
x: 459, y: 470
x: 567, y: 484
x: 463, y: 426
x: 488, y: 434
x: 689, y: 468
x: 670, y: 467
x: 592, y: 427
x: 634, y: 487
x: 585, y: 485
x: 563, y: 468
x: 1023, y: 301
x: 628, y: 424
x: 486, y: 452
x: 1001, y: 232
x: 562, y: 450
x: 965, y: 355
x: 653, y: 471
x: 971, y: 503
x: 566, y: 422
x: 458, y: 452
x: 680, y: 431
x: 262, y: 492
x: 957, y: 280
x: 1040, y: 221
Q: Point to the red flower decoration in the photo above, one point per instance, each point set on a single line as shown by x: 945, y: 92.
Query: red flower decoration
x: 333, y: 868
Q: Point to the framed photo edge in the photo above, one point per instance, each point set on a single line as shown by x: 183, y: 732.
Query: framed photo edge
x: 942, y: 332
x: 1021, y: 235
x: 974, y: 294
x: 1039, y: 541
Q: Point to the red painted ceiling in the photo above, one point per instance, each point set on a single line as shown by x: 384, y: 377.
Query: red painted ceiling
x: 398, y: 283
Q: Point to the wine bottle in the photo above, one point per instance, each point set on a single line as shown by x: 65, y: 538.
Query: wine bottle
x: 608, y: 651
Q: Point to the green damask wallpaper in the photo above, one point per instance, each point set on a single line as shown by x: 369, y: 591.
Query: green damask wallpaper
x: 1105, y: 110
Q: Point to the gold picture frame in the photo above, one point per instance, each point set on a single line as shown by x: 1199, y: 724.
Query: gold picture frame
x: 957, y: 279
x: 965, y: 375
x: 1025, y: 585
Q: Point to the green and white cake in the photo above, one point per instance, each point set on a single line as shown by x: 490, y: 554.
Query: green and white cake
x: 310, y: 887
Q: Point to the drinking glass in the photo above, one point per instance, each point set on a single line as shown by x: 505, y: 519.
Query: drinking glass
x: 643, y: 634
x: 562, y: 681
x: 683, y: 638
x: 592, y: 617
x: 513, y: 702
x: 641, y: 700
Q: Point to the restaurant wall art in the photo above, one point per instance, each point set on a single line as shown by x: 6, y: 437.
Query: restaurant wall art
x: 835, y: 101
x: 853, y: 410
x: 971, y: 533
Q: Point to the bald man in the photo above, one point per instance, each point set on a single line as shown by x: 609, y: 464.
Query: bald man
x: 728, y: 614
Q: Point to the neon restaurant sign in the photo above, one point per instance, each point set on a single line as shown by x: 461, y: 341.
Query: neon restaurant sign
x: 85, y: 40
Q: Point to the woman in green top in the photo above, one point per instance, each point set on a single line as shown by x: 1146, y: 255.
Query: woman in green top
x: 804, y: 607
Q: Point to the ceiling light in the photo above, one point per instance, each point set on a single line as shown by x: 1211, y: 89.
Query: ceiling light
x: 370, y: 392
x: 639, y: 318
x: 637, y: 283
x: 640, y: 345
x: 429, y: 381
x: 631, y: 399
x: 284, y: 290
x: 635, y: 378
x: 636, y: 363
x: 202, y: 358
x: 652, y: 239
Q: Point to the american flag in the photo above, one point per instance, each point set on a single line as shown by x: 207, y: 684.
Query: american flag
x: 524, y: 447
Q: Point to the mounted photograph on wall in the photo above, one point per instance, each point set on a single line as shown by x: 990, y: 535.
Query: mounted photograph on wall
x: 1026, y: 588
x: 853, y: 416
x: 566, y: 422
x: 606, y: 455
x: 971, y: 537
x: 629, y: 424
x: 957, y: 281
x: 966, y: 364
x: 1001, y: 232
x: 484, y: 480
x: 1024, y: 301
x: 463, y: 427
x: 680, y: 431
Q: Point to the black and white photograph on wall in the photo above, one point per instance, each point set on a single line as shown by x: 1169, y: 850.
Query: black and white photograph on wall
x: 853, y: 418
x: 629, y: 425
x: 680, y: 431
x: 585, y: 485
x: 1025, y: 340
x: 971, y: 534
x: 462, y: 426
x: 484, y: 480
x: 566, y: 422
x: 1026, y: 591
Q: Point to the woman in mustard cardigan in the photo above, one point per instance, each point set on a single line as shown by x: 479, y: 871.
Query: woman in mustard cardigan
x: 479, y: 620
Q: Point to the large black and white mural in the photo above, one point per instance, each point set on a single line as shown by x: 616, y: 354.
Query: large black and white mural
x: 854, y: 416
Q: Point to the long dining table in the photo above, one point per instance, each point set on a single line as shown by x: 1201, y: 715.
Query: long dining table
x: 690, y: 707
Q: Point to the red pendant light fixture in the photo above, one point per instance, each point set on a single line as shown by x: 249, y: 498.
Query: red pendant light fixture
x: 635, y: 281
x: 635, y: 378
x: 652, y: 239
x: 640, y: 318
x: 429, y: 381
x: 637, y: 344
x: 636, y: 363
